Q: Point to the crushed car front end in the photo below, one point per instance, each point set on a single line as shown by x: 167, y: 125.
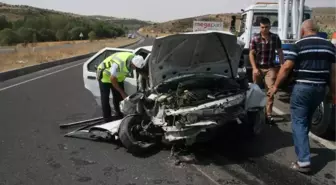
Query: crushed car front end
x: 194, y: 86
x: 190, y: 104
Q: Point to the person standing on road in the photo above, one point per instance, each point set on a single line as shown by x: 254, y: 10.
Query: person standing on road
x: 111, y: 74
x: 262, y: 58
x: 312, y: 59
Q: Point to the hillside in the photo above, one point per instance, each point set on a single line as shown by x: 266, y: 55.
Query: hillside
x: 182, y: 25
x: 27, y: 24
x: 325, y: 16
x: 19, y: 12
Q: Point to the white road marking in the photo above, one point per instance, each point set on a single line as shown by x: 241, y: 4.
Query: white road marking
x: 42, y: 76
x: 328, y: 144
x: 278, y: 111
x: 205, y: 174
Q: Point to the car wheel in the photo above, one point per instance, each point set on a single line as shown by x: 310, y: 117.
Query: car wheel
x: 323, y: 121
x: 130, y: 137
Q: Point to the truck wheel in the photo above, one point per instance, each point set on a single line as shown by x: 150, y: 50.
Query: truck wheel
x: 323, y: 121
x: 130, y: 137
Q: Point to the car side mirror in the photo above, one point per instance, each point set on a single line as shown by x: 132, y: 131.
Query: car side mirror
x: 96, y: 67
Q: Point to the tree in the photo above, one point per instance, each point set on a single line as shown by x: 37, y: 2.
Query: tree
x: 4, y: 23
x: 8, y: 37
x: 27, y: 34
x: 46, y: 35
x: 61, y: 35
x: 92, y: 35
x: 38, y: 25
x: 17, y: 24
x: 75, y: 32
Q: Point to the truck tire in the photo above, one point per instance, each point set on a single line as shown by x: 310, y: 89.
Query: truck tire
x: 128, y: 138
x: 323, y: 121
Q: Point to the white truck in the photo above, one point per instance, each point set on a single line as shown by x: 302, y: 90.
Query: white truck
x: 286, y: 17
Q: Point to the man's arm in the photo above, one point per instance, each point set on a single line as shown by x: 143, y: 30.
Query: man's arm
x: 333, y: 75
x: 285, y: 69
x: 280, y: 51
x: 252, y: 53
x: 144, y: 75
x: 115, y: 84
x: 333, y: 82
x: 114, y: 80
x: 281, y: 56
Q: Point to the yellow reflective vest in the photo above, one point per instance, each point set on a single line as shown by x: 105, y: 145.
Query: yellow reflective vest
x: 120, y: 58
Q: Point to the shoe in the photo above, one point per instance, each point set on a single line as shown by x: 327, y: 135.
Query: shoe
x: 303, y: 169
x: 270, y: 120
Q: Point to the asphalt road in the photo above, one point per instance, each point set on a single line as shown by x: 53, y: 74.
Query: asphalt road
x: 34, y: 151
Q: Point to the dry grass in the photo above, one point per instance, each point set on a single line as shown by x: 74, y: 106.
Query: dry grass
x: 48, y: 44
x: 24, y: 57
x: 153, y: 34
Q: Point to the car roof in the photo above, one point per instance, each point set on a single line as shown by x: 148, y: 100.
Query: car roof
x: 199, y: 32
x: 149, y: 48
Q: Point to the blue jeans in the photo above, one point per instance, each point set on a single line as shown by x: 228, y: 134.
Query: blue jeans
x: 304, y: 101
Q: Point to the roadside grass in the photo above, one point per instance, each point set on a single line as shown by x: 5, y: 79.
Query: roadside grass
x: 150, y: 34
x: 23, y: 57
x: 46, y: 44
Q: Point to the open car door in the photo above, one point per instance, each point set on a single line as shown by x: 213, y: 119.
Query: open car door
x: 89, y: 70
x: 131, y: 83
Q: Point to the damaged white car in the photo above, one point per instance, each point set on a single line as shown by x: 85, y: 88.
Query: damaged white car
x: 194, y: 87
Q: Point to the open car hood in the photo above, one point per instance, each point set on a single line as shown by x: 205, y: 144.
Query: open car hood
x: 213, y: 52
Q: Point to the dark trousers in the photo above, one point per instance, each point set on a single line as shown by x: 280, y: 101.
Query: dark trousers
x: 105, y: 100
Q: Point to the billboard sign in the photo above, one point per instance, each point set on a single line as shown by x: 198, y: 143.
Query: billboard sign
x: 207, y: 25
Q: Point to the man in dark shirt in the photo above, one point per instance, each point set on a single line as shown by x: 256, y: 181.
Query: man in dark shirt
x: 262, y: 58
x: 313, y: 60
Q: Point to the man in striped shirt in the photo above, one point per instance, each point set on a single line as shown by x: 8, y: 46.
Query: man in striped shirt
x: 312, y: 59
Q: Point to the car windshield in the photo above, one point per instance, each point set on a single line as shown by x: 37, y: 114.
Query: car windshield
x: 273, y: 17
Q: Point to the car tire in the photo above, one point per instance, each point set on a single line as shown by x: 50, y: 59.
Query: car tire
x: 128, y: 139
x: 323, y: 122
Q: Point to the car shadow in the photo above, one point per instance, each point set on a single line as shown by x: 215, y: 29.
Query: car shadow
x: 233, y: 147
x: 238, y: 147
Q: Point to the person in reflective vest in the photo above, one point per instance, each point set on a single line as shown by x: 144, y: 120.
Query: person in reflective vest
x: 111, y: 74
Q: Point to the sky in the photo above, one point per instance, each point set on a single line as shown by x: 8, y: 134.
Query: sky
x: 152, y: 10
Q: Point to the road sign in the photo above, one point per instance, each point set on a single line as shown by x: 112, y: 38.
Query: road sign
x: 207, y: 25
